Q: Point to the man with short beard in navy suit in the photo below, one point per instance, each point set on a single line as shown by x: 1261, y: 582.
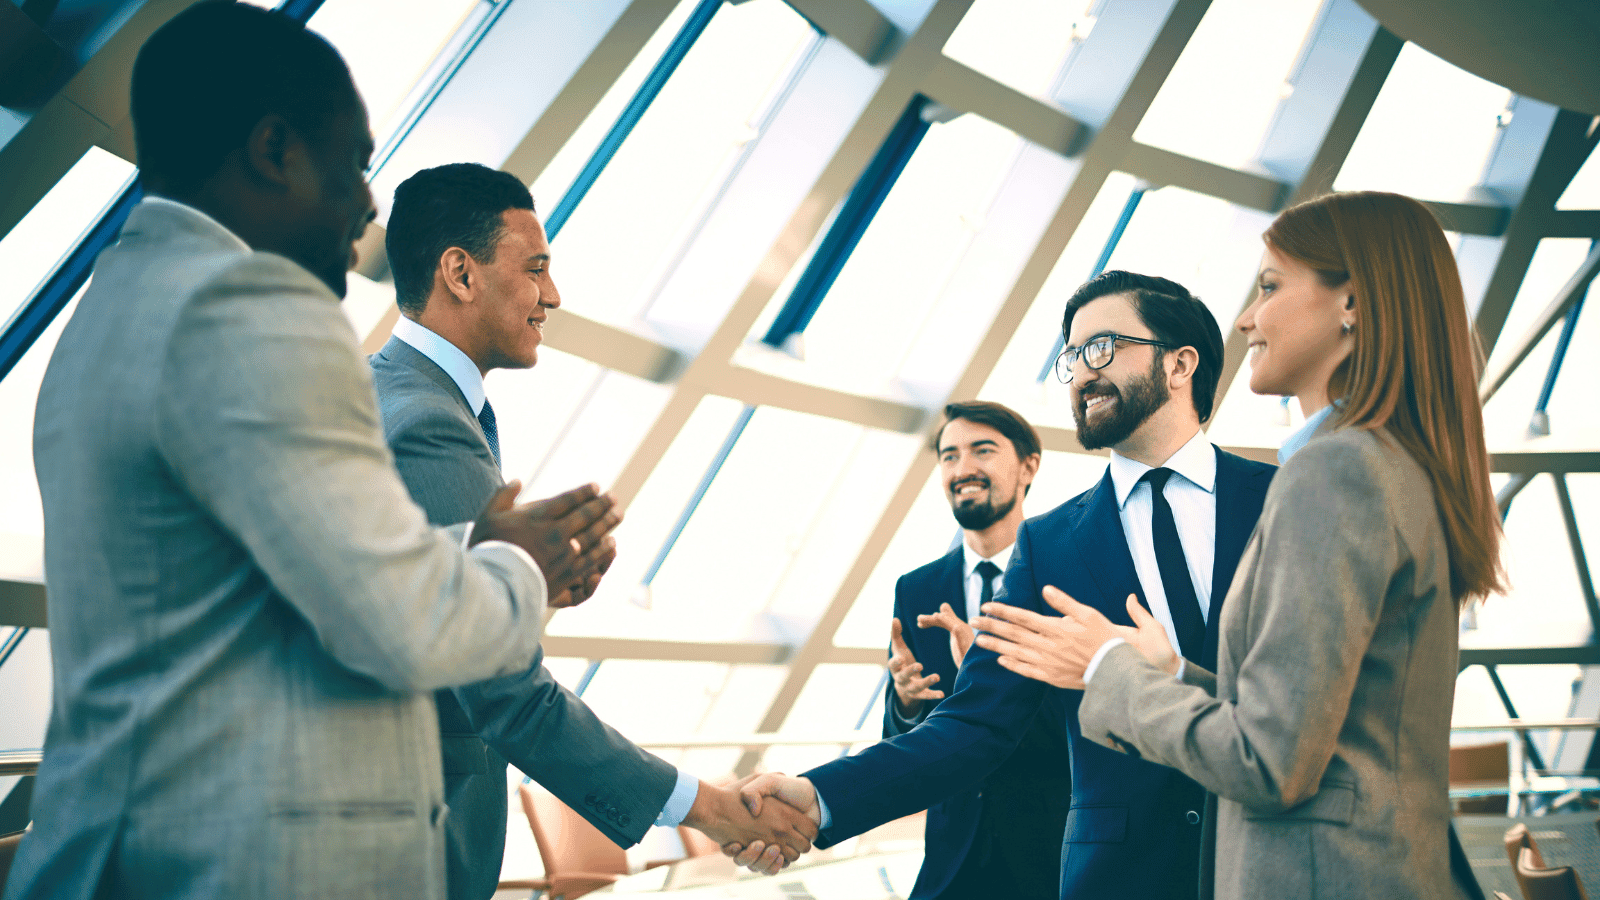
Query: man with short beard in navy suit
x: 1003, y: 838
x: 1167, y: 525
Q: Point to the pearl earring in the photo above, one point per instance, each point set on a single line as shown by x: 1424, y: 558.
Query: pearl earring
x: 1346, y: 328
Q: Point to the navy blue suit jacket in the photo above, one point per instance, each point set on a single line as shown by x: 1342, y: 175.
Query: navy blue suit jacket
x: 1124, y: 811
x: 1026, y: 797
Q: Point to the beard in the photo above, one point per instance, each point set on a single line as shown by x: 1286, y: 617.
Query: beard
x: 975, y: 516
x: 1134, y: 404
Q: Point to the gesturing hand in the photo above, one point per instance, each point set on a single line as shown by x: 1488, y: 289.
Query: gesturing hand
x: 780, y: 831
x: 568, y: 536
x: 1047, y: 648
x: 910, y: 688
x: 795, y: 794
x: 961, y: 633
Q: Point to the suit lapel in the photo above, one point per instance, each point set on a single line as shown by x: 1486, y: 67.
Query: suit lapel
x: 952, y: 583
x: 402, y: 353
x: 1240, y: 493
x: 1103, y: 550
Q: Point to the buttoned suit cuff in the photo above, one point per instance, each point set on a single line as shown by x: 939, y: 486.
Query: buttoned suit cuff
x: 680, y: 801
x: 822, y: 810
x: 1094, y: 661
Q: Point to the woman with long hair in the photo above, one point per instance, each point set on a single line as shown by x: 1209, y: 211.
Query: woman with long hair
x: 1324, y: 732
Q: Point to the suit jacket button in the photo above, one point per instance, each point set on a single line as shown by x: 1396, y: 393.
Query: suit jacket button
x: 623, y: 820
x: 591, y: 800
x: 1192, y: 817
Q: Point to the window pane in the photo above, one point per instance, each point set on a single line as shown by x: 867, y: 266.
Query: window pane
x: 613, y: 248
x: 1571, y: 406
x: 1019, y: 43
x: 831, y: 703
x: 1429, y: 133
x: 1584, y: 191
x: 389, y: 45
x: 1222, y: 93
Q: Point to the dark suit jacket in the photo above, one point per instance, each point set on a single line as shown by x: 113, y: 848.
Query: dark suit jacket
x: 1014, y: 819
x: 1126, y: 813
x: 527, y: 718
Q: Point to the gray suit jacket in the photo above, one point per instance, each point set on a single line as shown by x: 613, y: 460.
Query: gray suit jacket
x: 528, y: 718
x: 247, y: 612
x: 1325, y: 730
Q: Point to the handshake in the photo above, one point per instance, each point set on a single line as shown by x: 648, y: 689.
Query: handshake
x: 765, y: 821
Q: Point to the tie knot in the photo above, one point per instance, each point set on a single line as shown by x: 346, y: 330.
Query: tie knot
x: 987, y: 569
x: 1158, y: 478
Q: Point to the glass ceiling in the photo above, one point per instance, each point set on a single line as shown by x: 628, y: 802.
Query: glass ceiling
x: 775, y: 495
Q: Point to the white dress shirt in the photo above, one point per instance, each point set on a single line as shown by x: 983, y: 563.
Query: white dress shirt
x: 464, y: 372
x: 974, y: 581
x: 1193, y: 499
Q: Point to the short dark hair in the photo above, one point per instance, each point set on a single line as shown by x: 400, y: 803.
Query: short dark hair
x: 1173, y: 314
x: 204, y: 79
x: 458, y: 205
x: 1024, y: 439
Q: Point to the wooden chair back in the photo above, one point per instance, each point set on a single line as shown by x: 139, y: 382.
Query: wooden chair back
x: 1540, y: 883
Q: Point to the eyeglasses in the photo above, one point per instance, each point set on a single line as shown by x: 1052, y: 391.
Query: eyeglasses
x: 1096, y: 353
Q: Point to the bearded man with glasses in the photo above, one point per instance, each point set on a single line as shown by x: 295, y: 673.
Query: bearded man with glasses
x: 1159, y: 536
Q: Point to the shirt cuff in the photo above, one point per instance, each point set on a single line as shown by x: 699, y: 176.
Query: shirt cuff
x: 1094, y: 661
x: 822, y: 809
x: 525, y: 556
x: 906, y: 722
x: 680, y: 802
x: 1182, y: 664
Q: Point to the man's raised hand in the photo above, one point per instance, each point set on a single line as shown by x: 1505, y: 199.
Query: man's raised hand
x: 910, y: 688
x: 568, y: 536
x: 961, y: 634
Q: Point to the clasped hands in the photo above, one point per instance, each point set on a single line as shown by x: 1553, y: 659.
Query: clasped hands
x: 764, y: 837
x: 1057, y: 650
x: 568, y: 536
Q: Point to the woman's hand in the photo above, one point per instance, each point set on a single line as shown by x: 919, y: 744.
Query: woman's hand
x: 1058, y: 650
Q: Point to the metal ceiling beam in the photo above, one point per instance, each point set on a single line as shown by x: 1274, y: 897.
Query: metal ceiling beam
x: 1534, y: 159
x: 1574, y: 223
x: 1564, y: 300
x: 856, y: 24
x: 967, y: 90
x: 1164, y: 168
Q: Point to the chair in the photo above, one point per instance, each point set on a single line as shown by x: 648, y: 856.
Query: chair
x: 1540, y: 883
x: 1482, y: 766
x: 1517, y: 840
x: 578, y: 857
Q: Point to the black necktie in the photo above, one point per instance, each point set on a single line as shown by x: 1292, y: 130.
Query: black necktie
x: 490, y: 432
x: 986, y: 572
x: 1174, y: 568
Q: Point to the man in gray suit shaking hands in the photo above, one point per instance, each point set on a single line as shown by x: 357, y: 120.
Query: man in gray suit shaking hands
x: 248, y: 614
x: 472, y: 276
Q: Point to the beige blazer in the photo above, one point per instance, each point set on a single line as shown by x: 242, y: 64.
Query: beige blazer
x: 1325, y: 730
x: 247, y: 612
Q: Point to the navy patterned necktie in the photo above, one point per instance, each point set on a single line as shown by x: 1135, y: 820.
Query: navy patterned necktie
x: 986, y: 572
x: 490, y: 432
x: 1174, y: 567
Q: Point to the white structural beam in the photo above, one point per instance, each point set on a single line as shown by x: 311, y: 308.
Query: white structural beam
x: 856, y: 24
x: 967, y: 90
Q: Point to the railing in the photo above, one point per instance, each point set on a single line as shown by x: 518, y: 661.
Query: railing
x: 20, y: 762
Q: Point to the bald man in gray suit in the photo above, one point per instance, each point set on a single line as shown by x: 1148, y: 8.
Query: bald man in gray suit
x: 471, y: 267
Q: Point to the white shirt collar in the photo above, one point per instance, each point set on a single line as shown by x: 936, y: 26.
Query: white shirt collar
x: 186, y: 209
x: 971, y: 557
x: 446, y: 356
x: 1297, y: 441
x: 1196, y: 461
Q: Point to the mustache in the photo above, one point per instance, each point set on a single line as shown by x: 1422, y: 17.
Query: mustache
x: 1097, y: 390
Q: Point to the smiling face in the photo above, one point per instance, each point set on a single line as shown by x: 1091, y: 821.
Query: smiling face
x: 983, y: 476
x: 514, y: 294
x: 1110, y: 404
x: 1294, y: 327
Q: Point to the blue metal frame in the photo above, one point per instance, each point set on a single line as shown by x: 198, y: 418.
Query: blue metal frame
x: 1565, y: 340
x: 12, y: 641
x: 31, y: 320
x: 699, y: 494
x: 1099, y: 266
x: 642, y: 98
x: 855, y: 214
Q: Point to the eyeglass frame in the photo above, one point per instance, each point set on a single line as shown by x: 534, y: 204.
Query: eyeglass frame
x: 1113, y: 337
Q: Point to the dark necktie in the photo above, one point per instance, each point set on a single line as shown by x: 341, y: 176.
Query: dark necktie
x: 1174, y: 568
x: 490, y: 432
x: 986, y: 572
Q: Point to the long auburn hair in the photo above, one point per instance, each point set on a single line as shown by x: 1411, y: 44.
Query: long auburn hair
x: 1414, y: 368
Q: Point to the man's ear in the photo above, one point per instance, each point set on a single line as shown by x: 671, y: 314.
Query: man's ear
x: 1181, y: 369
x: 272, y: 152
x: 1030, y: 470
x: 455, y: 270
